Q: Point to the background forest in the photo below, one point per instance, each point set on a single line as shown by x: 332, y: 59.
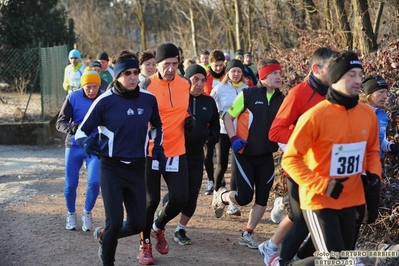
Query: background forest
x: 288, y: 30
x: 251, y: 25
x: 256, y: 26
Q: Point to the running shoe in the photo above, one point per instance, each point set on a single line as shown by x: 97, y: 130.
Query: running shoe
x: 217, y: 202
x: 209, y: 188
x: 97, y: 234
x: 71, y: 221
x: 248, y: 240
x: 232, y: 209
x: 145, y: 255
x: 267, y: 252
x: 181, y: 238
x: 278, y: 210
x: 87, y: 221
x: 161, y: 244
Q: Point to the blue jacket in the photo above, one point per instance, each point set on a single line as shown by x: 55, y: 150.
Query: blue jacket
x: 123, y: 124
x: 382, y: 125
x: 72, y: 112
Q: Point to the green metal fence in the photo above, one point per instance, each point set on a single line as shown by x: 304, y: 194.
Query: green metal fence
x: 31, y: 83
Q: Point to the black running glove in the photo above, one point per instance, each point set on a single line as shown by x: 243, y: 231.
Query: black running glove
x: 373, y: 179
x: 189, y: 124
x: 159, y: 155
x: 335, y: 187
x: 394, y: 148
x: 91, y: 147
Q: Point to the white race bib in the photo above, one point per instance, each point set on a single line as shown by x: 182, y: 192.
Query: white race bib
x: 347, y: 159
x: 172, y: 164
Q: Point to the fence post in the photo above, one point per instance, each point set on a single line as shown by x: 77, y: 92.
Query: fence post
x: 31, y: 90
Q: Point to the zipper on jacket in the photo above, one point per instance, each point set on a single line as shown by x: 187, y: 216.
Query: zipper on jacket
x: 170, y: 95
x: 194, y: 106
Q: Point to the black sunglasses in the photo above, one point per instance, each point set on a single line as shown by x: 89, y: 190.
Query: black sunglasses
x: 73, y: 58
x: 127, y: 73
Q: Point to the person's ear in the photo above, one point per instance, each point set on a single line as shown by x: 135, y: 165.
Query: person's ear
x: 315, y: 68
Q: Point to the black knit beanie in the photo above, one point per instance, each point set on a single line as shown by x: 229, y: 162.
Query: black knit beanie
x: 102, y: 56
x: 338, y: 68
x: 195, y: 69
x: 234, y: 63
x: 373, y: 83
x: 166, y: 50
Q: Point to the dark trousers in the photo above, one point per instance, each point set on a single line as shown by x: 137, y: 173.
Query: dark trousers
x: 195, y: 169
x: 121, y: 184
x: 251, y: 172
x: 299, y: 230
x: 177, y: 183
x: 332, y: 230
x: 222, y: 154
x: 370, y: 209
x: 208, y: 162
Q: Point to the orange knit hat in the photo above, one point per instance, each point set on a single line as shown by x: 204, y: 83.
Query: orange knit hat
x: 90, y: 76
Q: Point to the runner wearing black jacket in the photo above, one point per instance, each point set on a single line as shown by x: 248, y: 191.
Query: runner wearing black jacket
x: 207, y: 129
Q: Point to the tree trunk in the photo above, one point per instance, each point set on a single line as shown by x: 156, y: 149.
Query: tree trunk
x: 367, y: 41
x: 327, y: 15
x: 343, y: 24
x: 227, y: 12
x: 193, y: 32
x: 377, y: 20
x: 248, y: 25
x: 298, y: 15
x: 238, y: 24
x: 142, y: 26
x: 312, y: 14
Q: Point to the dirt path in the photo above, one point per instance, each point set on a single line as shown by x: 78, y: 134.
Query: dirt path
x: 32, y: 220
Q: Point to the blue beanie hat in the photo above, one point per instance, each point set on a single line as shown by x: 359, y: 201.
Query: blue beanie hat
x: 74, y: 53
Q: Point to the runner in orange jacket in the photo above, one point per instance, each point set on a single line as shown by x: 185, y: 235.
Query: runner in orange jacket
x: 172, y: 93
x: 331, y: 146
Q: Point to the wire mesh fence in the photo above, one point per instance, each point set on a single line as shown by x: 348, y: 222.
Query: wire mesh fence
x: 31, y: 83
x: 53, y: 61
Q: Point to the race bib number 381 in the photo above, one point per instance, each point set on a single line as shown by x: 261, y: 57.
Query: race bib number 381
x: 347, y: 159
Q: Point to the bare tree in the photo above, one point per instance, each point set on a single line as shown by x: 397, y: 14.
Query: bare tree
x: 139, y: 10
x: 367, y: 33
x: 226, y: 12
x: 312, y: 14
x: 190, y: 18
x: 343, y: 23
x: 237, y: 24
x: 248, y: 24
x: 327, y: 15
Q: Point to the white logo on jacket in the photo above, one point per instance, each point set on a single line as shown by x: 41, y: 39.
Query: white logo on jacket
x: 130, y: 111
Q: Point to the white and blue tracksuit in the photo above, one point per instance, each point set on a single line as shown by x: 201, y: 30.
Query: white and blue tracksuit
x: 71, y: 115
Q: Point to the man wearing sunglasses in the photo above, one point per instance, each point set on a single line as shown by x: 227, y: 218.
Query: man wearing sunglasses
x: 122, y: 115
x: 73, y: 72
x: 172, y: 92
